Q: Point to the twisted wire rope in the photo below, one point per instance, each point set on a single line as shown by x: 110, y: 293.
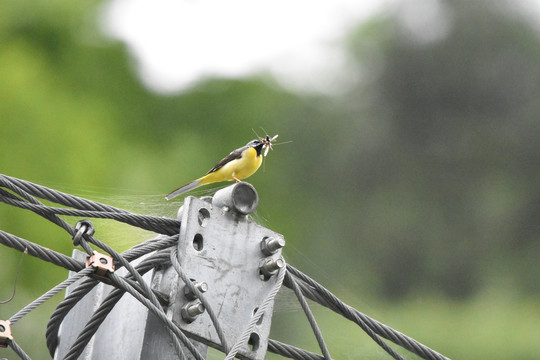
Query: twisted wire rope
x: 121, y: 283
x: 40, y: 252
x: 134, y: 273
x: 155, y: 244
x: 57, y: 196
x: 18, y: 350
x: 13, y: 200
x: 303, y: 303
x: 49, y: 294
x: 61, y: 311
x: 23, y: 195
x: 151, y: 223
x: 318, y: 293
x: 160, y: 258
x: 292, y: 352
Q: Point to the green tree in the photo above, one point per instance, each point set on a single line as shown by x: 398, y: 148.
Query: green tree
x: 454, y: 174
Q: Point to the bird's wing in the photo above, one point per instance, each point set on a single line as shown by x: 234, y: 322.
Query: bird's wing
x: 235, y: 154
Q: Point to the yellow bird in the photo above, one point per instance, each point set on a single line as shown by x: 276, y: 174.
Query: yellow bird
x: 239, y: 164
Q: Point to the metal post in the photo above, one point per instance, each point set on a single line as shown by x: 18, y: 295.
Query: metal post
x: 231, y: 260
x: 221, y: 247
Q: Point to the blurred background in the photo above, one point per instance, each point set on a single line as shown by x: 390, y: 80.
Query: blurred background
x: 410, y: 185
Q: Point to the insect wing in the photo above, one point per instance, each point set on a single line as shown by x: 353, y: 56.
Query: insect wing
x: 267, y: 141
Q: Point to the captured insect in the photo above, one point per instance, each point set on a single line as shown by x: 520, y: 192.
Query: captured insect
x: 267, y: 143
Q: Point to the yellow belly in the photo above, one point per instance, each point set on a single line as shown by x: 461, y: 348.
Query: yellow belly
x: 242, y: 168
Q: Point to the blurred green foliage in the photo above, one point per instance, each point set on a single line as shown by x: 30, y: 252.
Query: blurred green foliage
x: 419, y: 181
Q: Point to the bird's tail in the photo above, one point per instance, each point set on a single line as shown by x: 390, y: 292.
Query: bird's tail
x: 183, y: 189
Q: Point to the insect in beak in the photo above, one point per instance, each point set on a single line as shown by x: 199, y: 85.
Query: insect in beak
x: 267, y: 141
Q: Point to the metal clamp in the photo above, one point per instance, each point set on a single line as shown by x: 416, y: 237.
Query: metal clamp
x: 102, y: 263
x: 5, y: 333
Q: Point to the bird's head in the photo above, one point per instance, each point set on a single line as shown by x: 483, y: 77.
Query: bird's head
x: 262, y: 143
x: 257, y: 144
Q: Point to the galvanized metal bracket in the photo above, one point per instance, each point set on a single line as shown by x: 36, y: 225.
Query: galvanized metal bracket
x: 5, y: 333
x: 236, y: 259
x: 102, y: 263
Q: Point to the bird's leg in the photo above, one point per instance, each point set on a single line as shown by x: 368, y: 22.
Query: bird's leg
x: 235, y: 178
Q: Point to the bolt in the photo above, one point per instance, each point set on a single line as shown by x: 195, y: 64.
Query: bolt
x: 202, y: 287
x: 269, y: 267
x: 191, y: 310
x: 270, y: 245
x: 195, y: 309
x: 273, y: 264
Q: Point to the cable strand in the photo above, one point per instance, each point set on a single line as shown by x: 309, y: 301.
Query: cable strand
x: 24, y: 194
x: 303, y: 303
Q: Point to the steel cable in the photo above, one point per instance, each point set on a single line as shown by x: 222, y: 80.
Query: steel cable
x: 55, y: 195
x: 151, y: 223
x: 309, y: 315
x: 110, y: 301
x: 40, y: 252
x: 121, y: 283
x: 49, y: 294
x: 23, y: 195
x: 17, y: 349
x: 318, y: 293
x: 290, y: 351
x: 158, y: 243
